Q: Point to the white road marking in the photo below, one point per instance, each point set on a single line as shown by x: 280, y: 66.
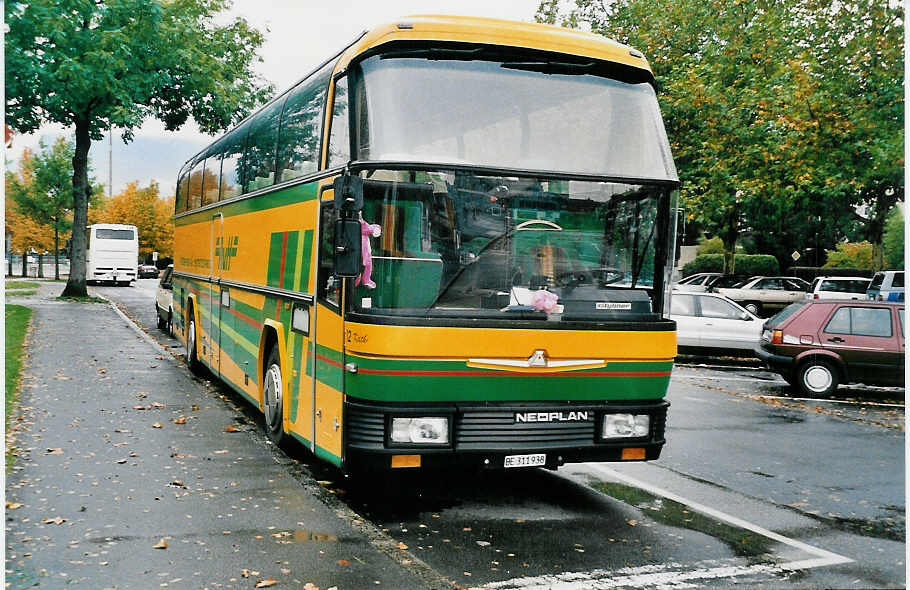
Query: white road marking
x: 674, y: 575
x: 749, y: 379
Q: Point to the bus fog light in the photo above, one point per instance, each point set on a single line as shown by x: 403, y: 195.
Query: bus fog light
x: 626, y: 425
x: 427, y: 431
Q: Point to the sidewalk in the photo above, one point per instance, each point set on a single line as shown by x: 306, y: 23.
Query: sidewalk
x: 129, y: 477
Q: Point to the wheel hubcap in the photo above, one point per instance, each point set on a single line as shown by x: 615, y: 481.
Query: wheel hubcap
x: 272, y: 395
x: 191, y: 340
x: 818, y: 378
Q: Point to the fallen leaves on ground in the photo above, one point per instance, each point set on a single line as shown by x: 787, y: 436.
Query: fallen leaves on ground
x: 162, y: 544
x: 180, y: 420
x: 343, y: 562
x: 156, y: 425
x: 55, y: 520
x: 266, y: 583
x: 54, y: 452
x: 402, y: 546
x: 231, y: 428
x: 13, y: 505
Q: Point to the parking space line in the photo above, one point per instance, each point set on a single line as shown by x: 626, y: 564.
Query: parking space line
x: 833, y: 558
x: 674, y: 575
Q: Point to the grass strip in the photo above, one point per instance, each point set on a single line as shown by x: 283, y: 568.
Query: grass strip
x: 17, y: 321
x: 21, y: 285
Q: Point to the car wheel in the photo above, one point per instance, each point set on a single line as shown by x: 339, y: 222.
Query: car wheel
x: 169, y: 327
x: 817, y: 377
x: 753, y: 307
x: 162, y: 324
x: 192, y: 357
x: 273, y: 398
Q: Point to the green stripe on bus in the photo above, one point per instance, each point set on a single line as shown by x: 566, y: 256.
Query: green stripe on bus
x: 327, y: 456
x: 289, y: 196
x: 290, y: 259
x: 276, y: 253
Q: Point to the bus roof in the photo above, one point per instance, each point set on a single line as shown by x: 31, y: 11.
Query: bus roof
x: 467, y: 29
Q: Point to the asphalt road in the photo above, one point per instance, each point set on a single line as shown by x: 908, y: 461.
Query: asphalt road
x: 755, y: 486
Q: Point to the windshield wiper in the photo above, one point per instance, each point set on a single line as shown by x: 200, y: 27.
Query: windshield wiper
x: 550, y: 67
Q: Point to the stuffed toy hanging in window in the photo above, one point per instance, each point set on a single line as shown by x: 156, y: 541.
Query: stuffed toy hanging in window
x: 366, y: 254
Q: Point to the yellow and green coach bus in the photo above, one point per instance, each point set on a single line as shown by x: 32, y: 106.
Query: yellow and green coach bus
x: 447, y: 247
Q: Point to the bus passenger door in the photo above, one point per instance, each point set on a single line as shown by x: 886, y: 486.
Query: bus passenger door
x: 213, y: 326
x: 328, y: 346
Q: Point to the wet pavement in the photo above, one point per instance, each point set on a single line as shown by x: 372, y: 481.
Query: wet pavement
x: 131, y: 474
x: 755, y: 488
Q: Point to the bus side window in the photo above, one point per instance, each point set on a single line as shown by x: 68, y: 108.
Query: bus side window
x: 210, y: 175
x: 328, y: 286
x: 260, y: 149
x: 339, y: 140
x: 182, y: 186
x: 301, y: 127
x: 194, y: 190
x: 230, y: 165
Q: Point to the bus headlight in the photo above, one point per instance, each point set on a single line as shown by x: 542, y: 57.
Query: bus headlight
x: 626, y: 425
x: 421, y: 431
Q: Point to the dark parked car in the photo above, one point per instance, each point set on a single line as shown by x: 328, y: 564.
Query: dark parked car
x: 818, y: 343
x: 147, y: 271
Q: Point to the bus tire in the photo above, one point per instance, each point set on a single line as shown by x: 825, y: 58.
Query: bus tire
x: 192, y: 356
x: 273, y: 398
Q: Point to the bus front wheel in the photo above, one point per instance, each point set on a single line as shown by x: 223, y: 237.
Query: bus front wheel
x: 192, y: 357
x: 273, y: 399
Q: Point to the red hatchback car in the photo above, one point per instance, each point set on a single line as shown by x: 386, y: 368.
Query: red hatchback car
x: 817, y: 344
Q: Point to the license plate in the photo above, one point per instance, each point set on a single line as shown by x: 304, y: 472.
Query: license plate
x: 525, y: 460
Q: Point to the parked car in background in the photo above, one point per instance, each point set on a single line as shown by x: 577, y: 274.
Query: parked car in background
x: 818, y: 343
x: 697, y: 283
x: 838, y: 288
x: 887, y: 285
x: 759, y: 294
x: 164, y: 302
x: 148, y: 271
x: 707, y: 323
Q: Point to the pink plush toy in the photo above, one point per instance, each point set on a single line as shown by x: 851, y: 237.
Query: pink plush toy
x: 544, y: 300
x: 366, y: 255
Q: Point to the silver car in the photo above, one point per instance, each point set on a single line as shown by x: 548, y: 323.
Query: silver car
x: 711, y: 323
x: 164, y: 302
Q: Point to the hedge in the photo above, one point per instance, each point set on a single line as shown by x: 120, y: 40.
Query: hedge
x: 744, y: 264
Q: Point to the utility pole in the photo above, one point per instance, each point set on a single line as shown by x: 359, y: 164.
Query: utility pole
x: 110, y: 162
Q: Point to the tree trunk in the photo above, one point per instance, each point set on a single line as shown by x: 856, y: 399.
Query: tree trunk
x: 75, y: 285
x: 40, y: 272
x: 24, y: 263
x: 56, y: 252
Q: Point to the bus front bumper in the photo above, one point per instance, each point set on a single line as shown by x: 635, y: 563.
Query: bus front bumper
x: 501, y: 436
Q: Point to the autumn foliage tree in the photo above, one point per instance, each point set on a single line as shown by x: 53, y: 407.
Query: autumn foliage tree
x: 25, y: 232
x: 114, y: 63
x: 143, y: 208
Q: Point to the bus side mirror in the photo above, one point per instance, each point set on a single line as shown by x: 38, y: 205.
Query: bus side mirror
x: 348, y: 195
x: 347, y: 248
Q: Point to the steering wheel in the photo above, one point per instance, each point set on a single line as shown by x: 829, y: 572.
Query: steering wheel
x: 591, y: 276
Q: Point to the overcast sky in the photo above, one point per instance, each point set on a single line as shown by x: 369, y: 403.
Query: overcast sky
x: 299, y: 35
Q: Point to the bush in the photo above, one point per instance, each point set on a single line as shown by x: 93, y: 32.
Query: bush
x: 710, y: 246
x: 851, y: 255
x: 704, y: 263
x: 893, y: 240
x: 744, y: 264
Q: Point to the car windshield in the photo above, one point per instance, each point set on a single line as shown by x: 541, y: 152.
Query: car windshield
x: 460, y: 244
x: 509, y: 109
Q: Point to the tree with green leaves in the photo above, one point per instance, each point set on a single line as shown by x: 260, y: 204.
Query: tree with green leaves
x: 47, y: 198
x: 95, y: 65
x: 785, y: 118
x: 893, y: 240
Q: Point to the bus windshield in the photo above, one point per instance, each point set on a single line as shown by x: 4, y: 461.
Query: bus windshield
x: 515, y: 111
x: 455, y: 243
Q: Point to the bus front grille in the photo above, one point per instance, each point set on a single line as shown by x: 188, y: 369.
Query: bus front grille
x: 486, y: 429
